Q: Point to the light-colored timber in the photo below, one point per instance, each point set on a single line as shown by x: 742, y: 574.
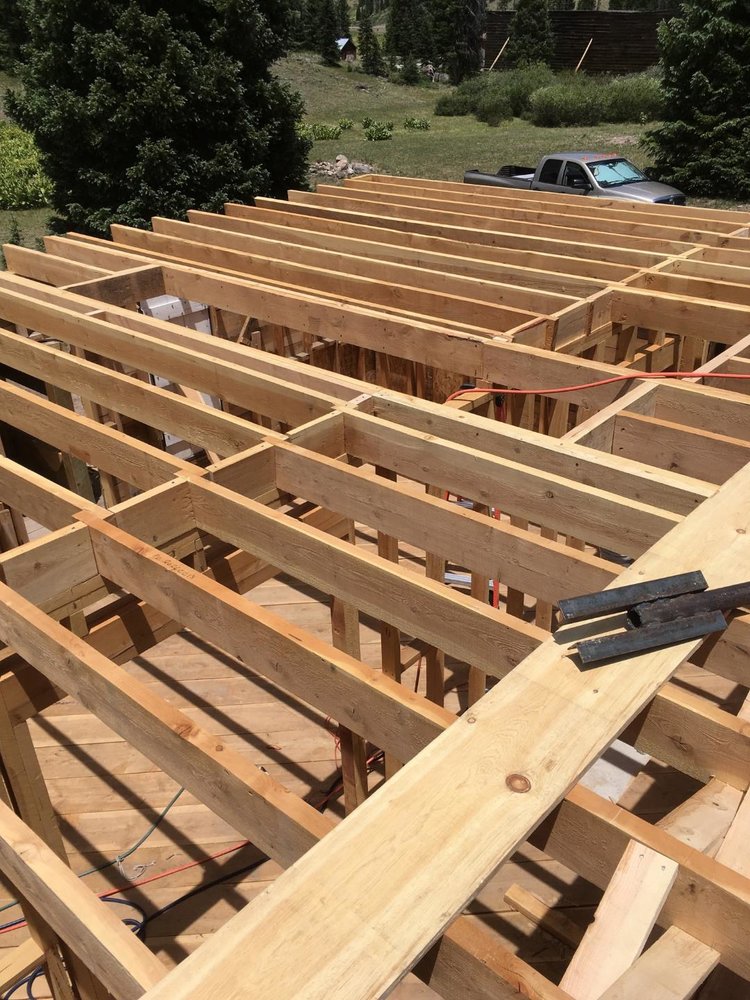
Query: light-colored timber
x: 286, y: 562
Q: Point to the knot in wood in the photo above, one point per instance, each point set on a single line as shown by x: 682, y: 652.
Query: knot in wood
x: 518, y: 783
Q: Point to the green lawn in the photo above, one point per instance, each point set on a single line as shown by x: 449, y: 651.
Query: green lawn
x: 452, y: 145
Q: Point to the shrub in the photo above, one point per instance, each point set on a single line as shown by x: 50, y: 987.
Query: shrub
x: 23, y: 183
x: 634, y: 98
x: 582, y: 100
x: 368, y: 122
x: 550, y: 100
x: 378, y: 132
x: 493, y: 108
x: 345, y: 124
x: 390, y: 126
x: 567, y: 104
x: 317, y: 131
x: 499, y: 95
x: 453, y: 105
x: 522, y: 83
x: 417, y: 124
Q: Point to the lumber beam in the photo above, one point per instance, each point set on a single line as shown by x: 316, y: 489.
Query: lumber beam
x: 426, y: 608
x: 90, y: 929
x: 253, y: 802
x: 381, y: 711
x: 489, y: 811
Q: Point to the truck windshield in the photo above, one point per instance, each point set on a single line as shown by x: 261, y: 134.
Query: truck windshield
x: 613, y: 173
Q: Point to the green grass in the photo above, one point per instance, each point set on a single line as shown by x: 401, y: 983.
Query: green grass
x: 452, y: 145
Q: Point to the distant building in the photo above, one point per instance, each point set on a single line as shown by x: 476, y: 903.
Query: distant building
x: 347, y: 49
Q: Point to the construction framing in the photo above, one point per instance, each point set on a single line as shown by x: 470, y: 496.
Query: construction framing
x: 342, y: 320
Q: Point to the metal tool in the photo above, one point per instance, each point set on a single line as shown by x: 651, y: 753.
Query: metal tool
x: 660, y: 613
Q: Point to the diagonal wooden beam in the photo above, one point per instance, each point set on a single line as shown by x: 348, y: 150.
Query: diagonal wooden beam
x: 511, y: 765
x: 91, y: 930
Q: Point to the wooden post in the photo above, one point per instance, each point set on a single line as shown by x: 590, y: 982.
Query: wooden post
x: 586, y: 52
x: 345, y: 636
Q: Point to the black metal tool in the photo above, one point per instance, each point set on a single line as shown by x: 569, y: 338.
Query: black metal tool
x: 659, y: 613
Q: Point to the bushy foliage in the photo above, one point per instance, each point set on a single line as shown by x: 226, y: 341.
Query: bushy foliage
x: 13, y: 32
x: 367, y: 122
x: 496, y: 95
x: 704, y: 144
x: 417, y: 124
x: 144, y: 109
x: 568, y: 103
x: 317, y: 131
x: 378, y: 132
x: 23, y: 183
x: 345, y: 124
x: 552, y: 100
x: 639, y: 97
x: 582, y: 100
x: 531, y: 38
x: 454, y: 105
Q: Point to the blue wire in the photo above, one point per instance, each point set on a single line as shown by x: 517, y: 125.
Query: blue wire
x: 107, y: 864
x: 26, y: 981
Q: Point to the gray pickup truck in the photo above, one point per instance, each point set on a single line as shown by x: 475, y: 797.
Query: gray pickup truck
x: 599, y: 175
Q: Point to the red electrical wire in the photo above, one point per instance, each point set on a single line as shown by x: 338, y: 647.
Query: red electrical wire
x: 595, y: 385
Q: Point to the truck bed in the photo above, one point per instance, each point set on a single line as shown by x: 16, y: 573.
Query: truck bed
x: 500, y: 179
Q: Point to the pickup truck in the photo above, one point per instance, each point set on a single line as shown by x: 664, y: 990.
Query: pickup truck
x: 599, y: 175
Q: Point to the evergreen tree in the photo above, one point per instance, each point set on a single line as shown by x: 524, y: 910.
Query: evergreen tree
x: 304, y: 30
x: 408, y: 34
x: 328, y: 32
x: 342, y: 16
x: 531, y: 38
x: 458, y: 33
x: 13, y: 32
x: 587, y: 4
x: 704, y: 144
x: 566, y: 4
x: 369, y: 46
x: 142, y: 108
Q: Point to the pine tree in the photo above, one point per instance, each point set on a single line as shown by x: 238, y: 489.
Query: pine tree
x: 704, y: 144
x: 531, y: 38
x: 342, y: 17
x: 143, y: 109
x: 369, y: 46
x: 408, y: 34
x: 328, y: 32
x: 458, y: 32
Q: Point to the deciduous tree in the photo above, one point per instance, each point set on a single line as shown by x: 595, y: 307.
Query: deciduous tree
x: 142, y: 108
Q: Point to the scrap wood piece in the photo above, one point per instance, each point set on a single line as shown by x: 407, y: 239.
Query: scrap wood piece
x: 555, y: 921
x: 622, y: 924
x: 671, y: 969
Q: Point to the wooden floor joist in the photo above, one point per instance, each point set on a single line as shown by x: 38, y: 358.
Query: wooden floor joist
x: 312, y: 418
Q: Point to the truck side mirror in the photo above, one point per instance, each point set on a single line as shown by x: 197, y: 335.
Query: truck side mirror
x: 581, y: 184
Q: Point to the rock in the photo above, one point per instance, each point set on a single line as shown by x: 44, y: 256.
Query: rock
x: 340, y: 168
